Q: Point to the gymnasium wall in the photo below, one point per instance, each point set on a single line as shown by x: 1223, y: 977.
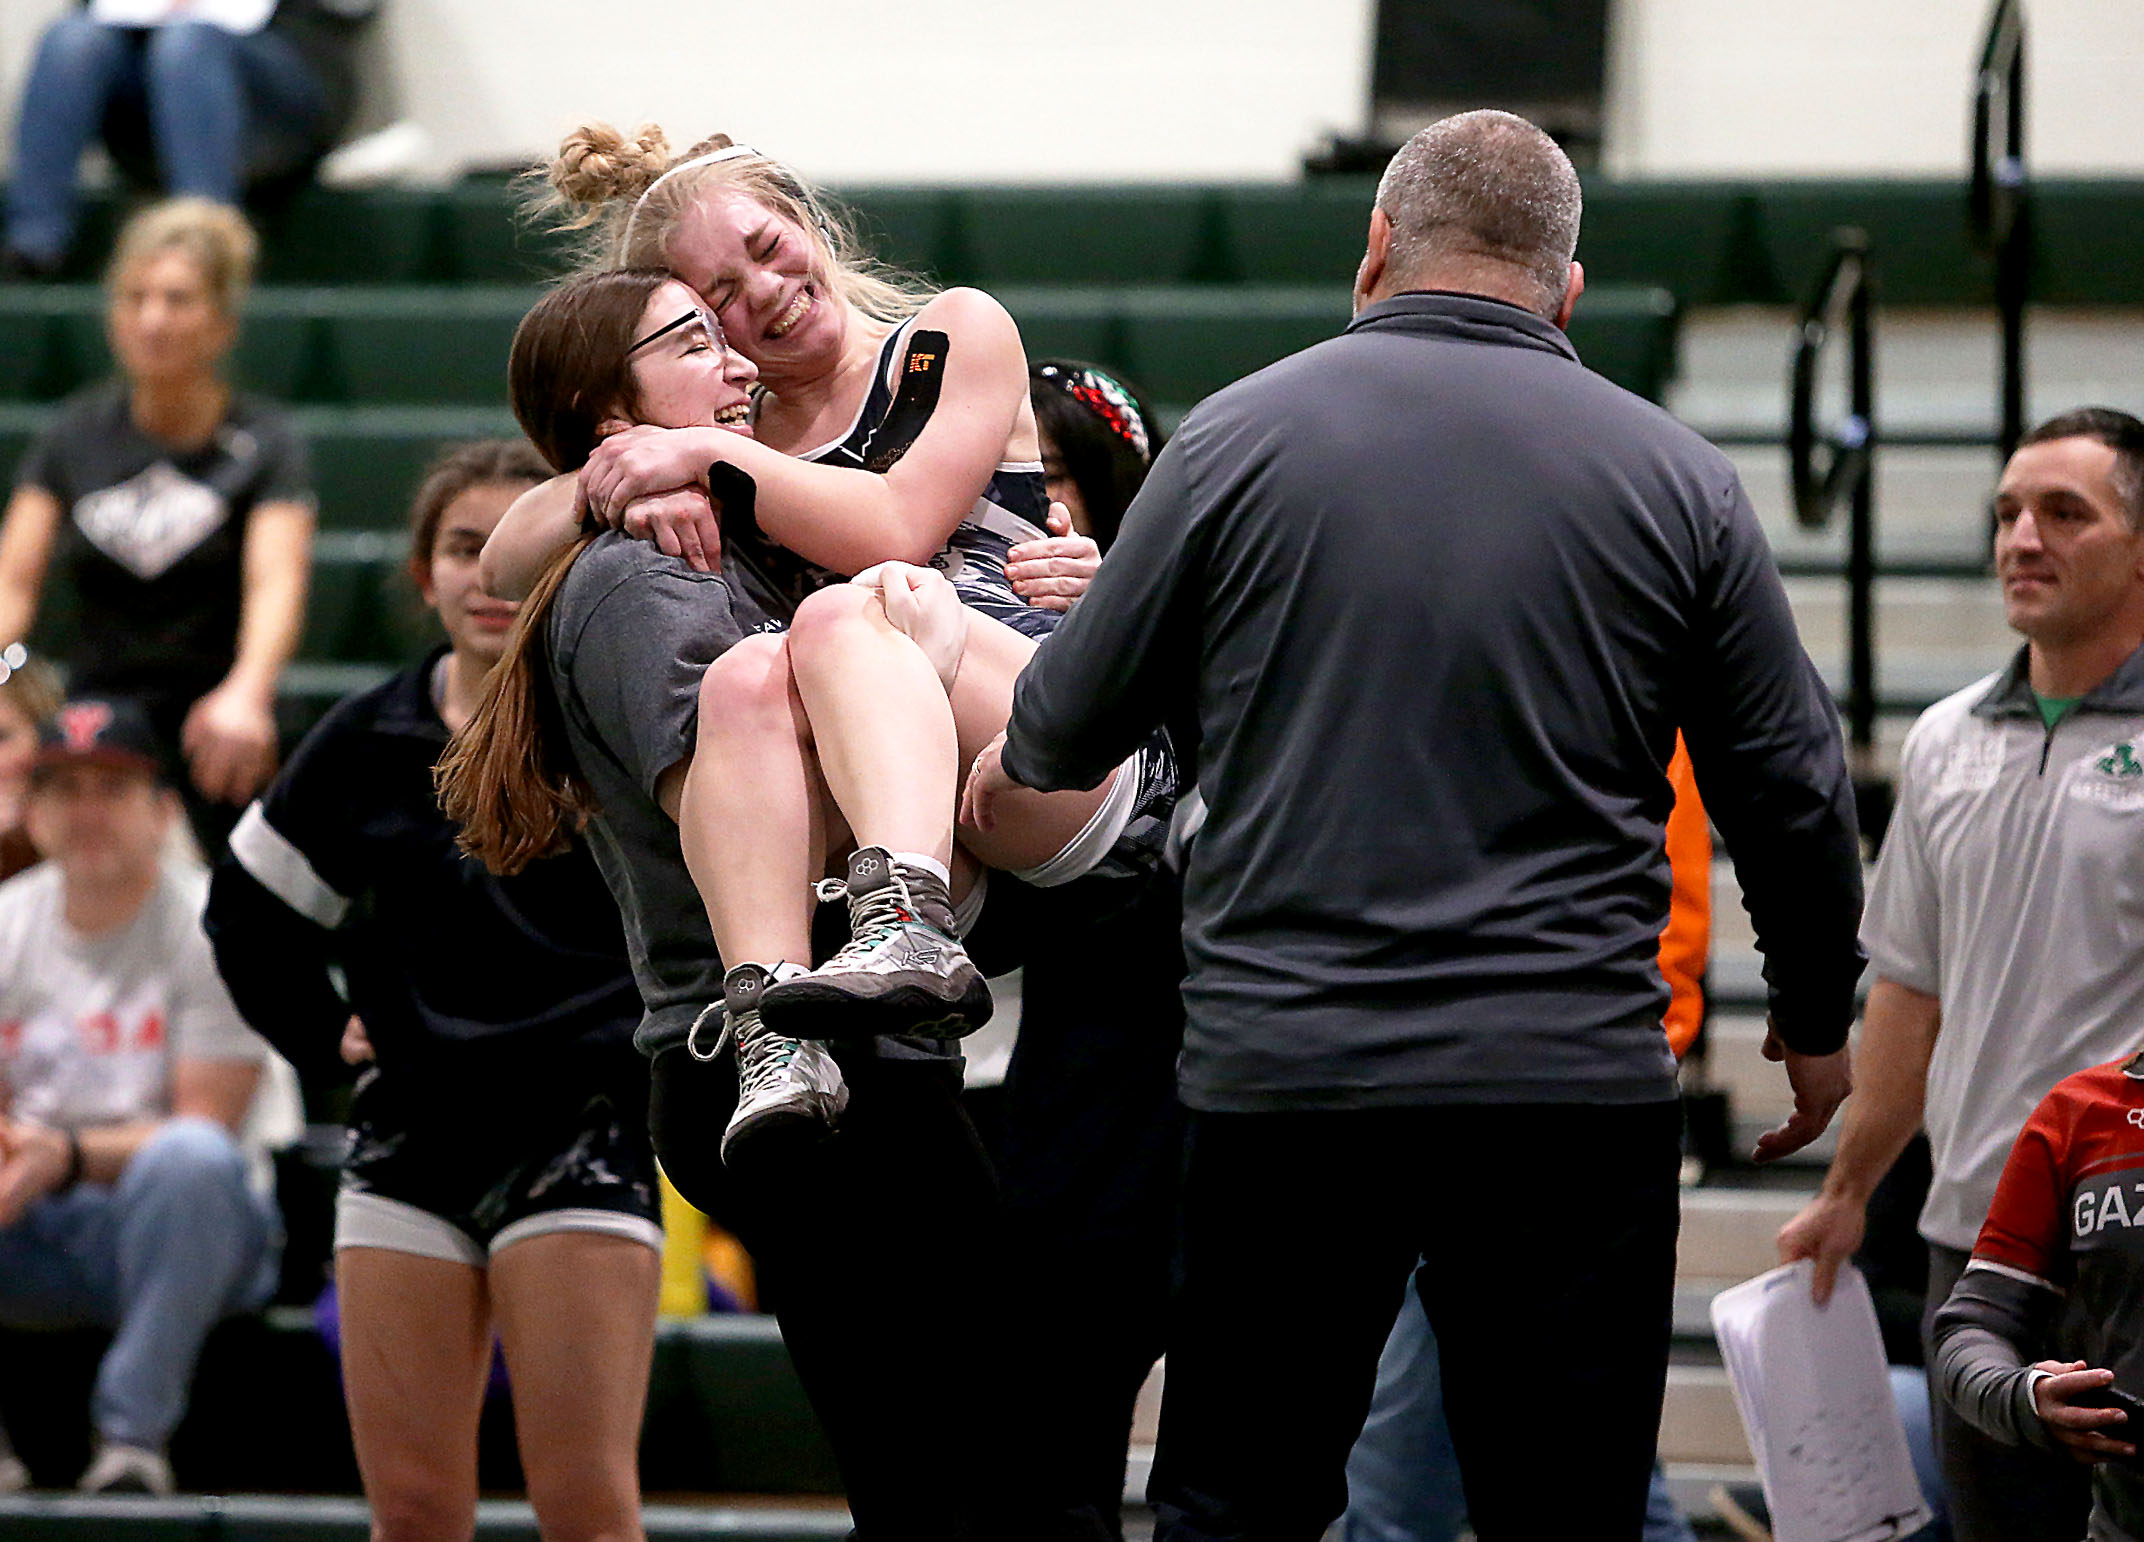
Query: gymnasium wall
x: 1143, y: 90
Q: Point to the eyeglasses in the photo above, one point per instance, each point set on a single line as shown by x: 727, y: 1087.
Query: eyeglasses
x: 1107, y: 399
x: 699, y: 315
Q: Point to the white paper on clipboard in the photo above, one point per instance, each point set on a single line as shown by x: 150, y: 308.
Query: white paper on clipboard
x: 1815, y: 1397
x: 239, y: 16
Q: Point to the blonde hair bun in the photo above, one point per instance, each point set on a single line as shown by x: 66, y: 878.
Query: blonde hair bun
x: 596, y: 164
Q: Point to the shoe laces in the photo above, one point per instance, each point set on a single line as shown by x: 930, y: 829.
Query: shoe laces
x: 762, y: 1056
x: 872, y: 918
x: 725, y: 1031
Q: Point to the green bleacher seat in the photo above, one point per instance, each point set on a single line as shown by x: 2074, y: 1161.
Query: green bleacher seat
x: 277, y: 355
x: 1725, y: 242
x: 51, y: 340
x: 1080, y: 235
x: 485, y: 240
x: 1630, y: 335
x: 363, y: 607
x: 1069, y: 323
x: 366, y: 460
x: 352, y: 236
x: 1184, y: 342
x: 2080, y: 231
x: 300, y: 345
x: 913, y: 229
x: 1187, y: 344
x: 1681, y: 236
x: 415, y: 346
x: 727, y: 1414
x: 1917, y: 234
x: 1289, y: 234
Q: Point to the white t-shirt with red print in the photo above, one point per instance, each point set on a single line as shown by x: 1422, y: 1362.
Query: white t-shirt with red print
x: 91, y: 1027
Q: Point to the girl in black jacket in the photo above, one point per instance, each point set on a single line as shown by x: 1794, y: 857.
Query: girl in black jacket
x: 498, y: 1174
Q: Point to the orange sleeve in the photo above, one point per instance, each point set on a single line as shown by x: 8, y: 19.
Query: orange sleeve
x: 1687, y: 942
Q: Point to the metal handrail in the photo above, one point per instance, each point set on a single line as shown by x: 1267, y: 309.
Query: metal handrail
x: 1999, y: 114
x: 1999, y: 199
x: 1828, y: 468
x: 1841, y: 299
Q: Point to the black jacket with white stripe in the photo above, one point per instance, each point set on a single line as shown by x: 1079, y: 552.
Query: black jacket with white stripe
x: 470, y: 987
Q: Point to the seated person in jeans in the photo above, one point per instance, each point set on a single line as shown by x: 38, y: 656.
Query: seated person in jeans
x: 218, y: 93
x: 124, y: 1073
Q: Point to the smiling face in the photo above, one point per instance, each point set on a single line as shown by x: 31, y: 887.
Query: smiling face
x: 2070, y: 562
x: 683, y: 374
x: 764, y: 277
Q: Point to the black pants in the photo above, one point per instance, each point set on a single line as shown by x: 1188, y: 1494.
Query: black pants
x: 879, y: 1250
x: 1548, y: 1235
x: 1997, y: 1493
x: 1091, y: 1143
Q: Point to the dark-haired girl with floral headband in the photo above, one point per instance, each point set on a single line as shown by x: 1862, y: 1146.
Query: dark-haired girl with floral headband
x: 1099, y: 435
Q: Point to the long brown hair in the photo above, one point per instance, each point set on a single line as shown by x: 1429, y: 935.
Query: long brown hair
x: 509, y: 778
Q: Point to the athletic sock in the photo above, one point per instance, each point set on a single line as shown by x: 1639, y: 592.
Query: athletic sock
x: 916, y: 861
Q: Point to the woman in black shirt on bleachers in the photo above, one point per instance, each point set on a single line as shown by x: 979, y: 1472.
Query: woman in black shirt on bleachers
x: 176, y: 514
x: 498, y: 1175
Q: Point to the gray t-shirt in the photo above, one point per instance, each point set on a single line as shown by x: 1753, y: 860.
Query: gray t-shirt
x: 631, y: 633
x: 91, y: 1027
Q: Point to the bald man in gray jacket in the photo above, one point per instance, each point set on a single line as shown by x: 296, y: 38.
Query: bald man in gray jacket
x: 1437, y: 599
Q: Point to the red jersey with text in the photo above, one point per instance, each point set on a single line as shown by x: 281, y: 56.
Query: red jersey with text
x: 2069, y: 1214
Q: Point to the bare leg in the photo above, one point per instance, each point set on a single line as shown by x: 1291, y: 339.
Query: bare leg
x: 752, y: 810
x: 576, y: 1314
x: 884, y: 730
x: 1031, y: 827
x: 416, y: 1346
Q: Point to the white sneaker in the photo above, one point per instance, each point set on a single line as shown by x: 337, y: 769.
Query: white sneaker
x: 14, y: 1477
x: 120, y: 1469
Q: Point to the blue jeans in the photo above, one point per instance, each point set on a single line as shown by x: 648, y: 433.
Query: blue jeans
x: 220, y: 108
x: 162, y: 1256
x: 1403, y: 1475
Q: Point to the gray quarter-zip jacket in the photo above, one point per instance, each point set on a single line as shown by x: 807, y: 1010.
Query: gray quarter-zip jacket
x: 1437, y: 598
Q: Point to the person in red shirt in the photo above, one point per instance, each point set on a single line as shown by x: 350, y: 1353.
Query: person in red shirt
x: 2059, y: 1269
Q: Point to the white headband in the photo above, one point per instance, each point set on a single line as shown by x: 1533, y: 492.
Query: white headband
x: 726, y: 153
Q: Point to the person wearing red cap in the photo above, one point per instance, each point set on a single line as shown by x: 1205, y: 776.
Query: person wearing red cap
x: 125, y: 1073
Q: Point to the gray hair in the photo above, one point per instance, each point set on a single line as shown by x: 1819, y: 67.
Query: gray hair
x: 1484, y: 186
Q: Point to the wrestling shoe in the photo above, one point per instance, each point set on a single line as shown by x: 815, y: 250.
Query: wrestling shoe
x: 780, y: 1080
x: 902, y: 969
